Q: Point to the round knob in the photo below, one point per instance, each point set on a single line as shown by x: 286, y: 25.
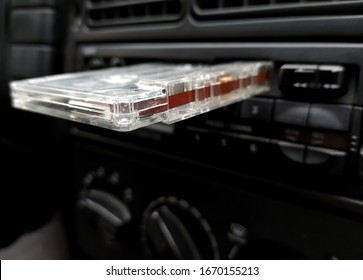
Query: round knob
x: 172, y: 229
x: 102, y: 218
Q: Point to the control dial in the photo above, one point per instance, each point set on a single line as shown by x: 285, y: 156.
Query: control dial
x: 103, y: 217
x: 173, y: 229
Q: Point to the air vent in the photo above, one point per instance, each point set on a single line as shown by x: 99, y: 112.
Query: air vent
x: 224, y: 9
x: 101, y: 13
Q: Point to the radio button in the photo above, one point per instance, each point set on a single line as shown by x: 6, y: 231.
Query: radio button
x: 332, y: 117
x: 331, y: 160
x: 331, y: 77
x: 298, y: 76
x: 257, y: 108
x: 288, y: 112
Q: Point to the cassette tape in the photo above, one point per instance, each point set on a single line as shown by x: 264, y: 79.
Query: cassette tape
x: 131, y: 97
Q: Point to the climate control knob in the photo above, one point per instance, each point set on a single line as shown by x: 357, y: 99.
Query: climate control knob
x: 103, y: 219
x: 173, y: 229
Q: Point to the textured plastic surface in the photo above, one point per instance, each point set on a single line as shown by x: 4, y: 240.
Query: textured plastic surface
x: 127, y: 98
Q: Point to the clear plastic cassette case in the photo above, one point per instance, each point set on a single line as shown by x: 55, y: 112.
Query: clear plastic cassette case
x: 130, y: 97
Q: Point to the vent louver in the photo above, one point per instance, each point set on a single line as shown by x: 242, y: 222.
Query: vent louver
x: 101, y: 13
x: 224, y: 9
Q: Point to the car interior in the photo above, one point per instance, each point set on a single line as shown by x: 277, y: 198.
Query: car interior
x: 275, y: 176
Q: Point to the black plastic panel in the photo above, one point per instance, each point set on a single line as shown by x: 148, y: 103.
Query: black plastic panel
x: 256, y: 137
x: 32, y: 61
x: 227, y: 9
x: 3, y: 51
x: 330, y: 21
x: 293, y: 185
x: 35, y: 26
x: 279, y: 225
x: 118, y: 13
x: 35, y: 3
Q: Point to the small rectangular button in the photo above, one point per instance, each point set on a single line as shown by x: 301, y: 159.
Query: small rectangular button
x: 313, y: 80
x: 298, y: 76
x: 257, y: 108
x: 332, y: 117
x: 290, y: 134
x: 331, y: 77
x: 288, y: 112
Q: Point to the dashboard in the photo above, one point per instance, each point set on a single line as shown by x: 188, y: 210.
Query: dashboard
x: 277, y: 176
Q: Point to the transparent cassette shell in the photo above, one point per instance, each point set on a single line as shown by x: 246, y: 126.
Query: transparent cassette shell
x: 127, y: 98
